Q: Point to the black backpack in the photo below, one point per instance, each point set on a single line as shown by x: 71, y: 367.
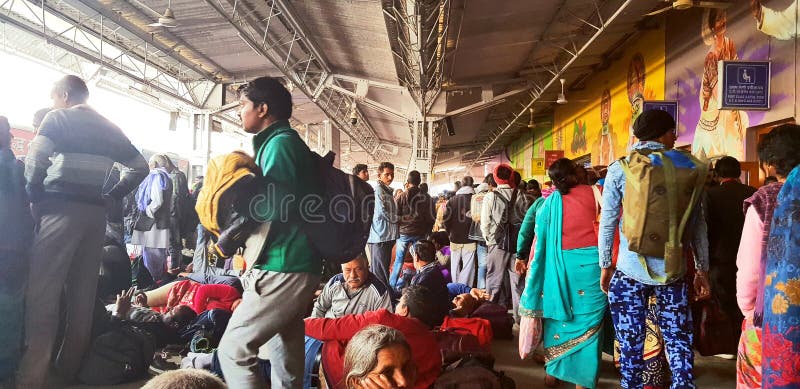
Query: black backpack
x: 120, y: 355
x: 340, y: 227
x: 473, y: 373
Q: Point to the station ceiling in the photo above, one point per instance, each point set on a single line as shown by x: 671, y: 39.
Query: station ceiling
x: 480, y: 63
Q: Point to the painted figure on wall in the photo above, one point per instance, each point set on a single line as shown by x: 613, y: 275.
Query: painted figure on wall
x: 604, y: 148
x: 781, y: 24
x: 558, y: 139
x: 578, y: 136
x: 718, y: 132
x: 636, y: 82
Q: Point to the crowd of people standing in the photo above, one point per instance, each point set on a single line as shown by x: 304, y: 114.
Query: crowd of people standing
x: 611, y: 262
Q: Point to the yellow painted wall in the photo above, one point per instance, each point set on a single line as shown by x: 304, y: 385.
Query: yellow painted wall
x: 577, y: 125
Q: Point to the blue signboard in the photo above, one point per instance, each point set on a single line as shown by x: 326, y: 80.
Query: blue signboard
x: 671, y: 106
x: 744, y: 85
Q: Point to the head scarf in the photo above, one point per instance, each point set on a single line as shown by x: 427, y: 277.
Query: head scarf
x: 157, y: 176
x: 501, y: 181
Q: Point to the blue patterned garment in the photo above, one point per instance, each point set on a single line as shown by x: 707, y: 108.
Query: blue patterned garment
x: 628, y: 300
x: 781, y: 326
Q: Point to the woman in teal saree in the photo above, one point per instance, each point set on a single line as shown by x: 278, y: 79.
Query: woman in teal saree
x: 562, y: 292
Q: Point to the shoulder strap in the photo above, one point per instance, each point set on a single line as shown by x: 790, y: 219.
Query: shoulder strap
x: 510, y: 205
x: 598, y: 199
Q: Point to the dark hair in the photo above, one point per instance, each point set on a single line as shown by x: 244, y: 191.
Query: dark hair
x: 504, y: 173
x: 385, y: 165
x: 517, y: 178
x: 269, y: 91
x: 489, y: 179
x: 184, y: 315
x: 770, y: 180
x: 581, y: 174
x: 359, y: 168
x: 468, y: 181
x: 414, y: 178
x: 420, y: 303
x: 562, y: 173
x: 74, y: 87
x: 441, y: 238
x: 425, y: 251
x: 781, y: 148
x: 534, y: 185
x: 423, y: 187
x: 728, y: 167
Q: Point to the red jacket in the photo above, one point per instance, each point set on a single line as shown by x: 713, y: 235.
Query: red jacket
x: 337, y: 332
x: 215, y: 296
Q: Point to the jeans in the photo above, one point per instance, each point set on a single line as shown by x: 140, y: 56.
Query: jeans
x: 380, y: 259
x: 482, y: 251
x: 402, y: 246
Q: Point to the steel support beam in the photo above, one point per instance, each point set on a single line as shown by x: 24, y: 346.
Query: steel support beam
x: 558, y: 71
x: 122, y: 64
x: 265, y: 27
x: 217, y: 74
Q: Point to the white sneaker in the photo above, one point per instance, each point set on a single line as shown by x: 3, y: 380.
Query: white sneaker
x: 729, y: 357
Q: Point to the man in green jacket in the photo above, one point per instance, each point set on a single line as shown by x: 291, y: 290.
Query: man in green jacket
x: 279, y: 286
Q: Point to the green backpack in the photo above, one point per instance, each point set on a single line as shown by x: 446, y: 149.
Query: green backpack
x: 657, y: 205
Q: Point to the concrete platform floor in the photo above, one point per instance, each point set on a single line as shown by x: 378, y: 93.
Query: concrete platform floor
x: 710, y: 372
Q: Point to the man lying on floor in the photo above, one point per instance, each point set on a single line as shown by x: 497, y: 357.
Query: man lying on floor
x: 163, y: 326
x: 198, y: 296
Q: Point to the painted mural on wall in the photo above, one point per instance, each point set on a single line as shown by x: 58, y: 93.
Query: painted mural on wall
x: 718, y: 132
x: 636, y: 89
x: 752, y: 30
x: 604, y: 148
x: 578, y: 137
x: 603, y: 125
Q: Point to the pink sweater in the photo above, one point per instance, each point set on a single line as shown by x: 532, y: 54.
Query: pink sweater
x: 748, y: 262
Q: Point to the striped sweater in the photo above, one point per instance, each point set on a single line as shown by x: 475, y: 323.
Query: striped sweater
x: 72, y: 156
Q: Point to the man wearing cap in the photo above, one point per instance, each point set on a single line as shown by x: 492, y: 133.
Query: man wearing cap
x: 500, y: 261
x: 637, y: 277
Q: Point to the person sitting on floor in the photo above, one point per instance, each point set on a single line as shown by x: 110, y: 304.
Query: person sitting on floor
x: 354, y: 290
x: 413, y: 317
x: 429, y: 274
x: 474, y: 303
x: 379, y: 357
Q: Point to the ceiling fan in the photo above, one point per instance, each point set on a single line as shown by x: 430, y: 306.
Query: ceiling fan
x: 562, y: 97
x: 686, y: 4
x: 167, y: 19
x: 531, y: 123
